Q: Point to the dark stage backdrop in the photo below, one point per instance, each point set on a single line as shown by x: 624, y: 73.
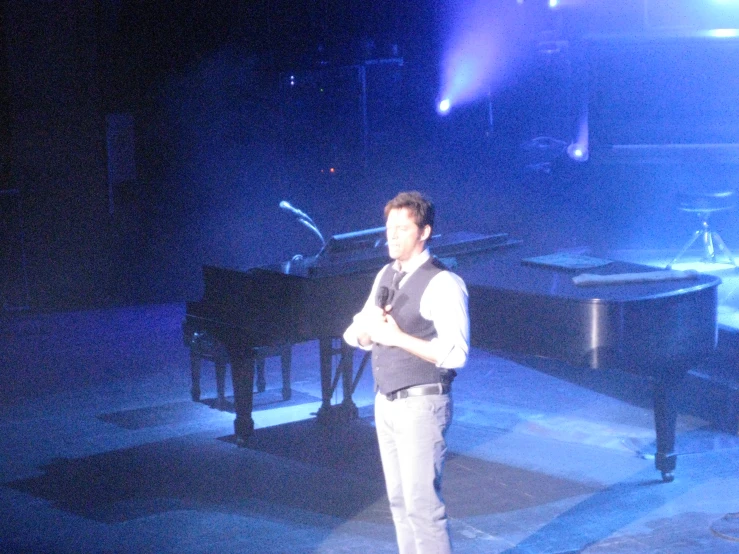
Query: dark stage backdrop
x: 231, y: 107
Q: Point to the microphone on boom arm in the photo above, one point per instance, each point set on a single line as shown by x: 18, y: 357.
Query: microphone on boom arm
x: 304, y: 218
x: 285, y: 205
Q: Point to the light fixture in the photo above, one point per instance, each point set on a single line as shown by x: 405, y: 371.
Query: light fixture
x: 578, y: 152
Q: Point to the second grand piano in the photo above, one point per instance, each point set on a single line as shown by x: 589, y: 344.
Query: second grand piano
x: 659, y: 329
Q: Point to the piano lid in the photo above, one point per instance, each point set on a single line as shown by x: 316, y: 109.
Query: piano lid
x: 512, y: 271
x: 640, y: 327
x: 366, y: 251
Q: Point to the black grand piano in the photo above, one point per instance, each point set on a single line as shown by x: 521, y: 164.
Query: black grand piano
x: 657, y: 329
x: 651, y: 326
x: 244, y: 312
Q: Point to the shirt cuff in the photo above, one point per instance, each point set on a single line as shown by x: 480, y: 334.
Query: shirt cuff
x: 350, y: 337
x: 448, y: 356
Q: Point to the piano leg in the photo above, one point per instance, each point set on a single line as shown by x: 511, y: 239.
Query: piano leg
x: 196, y: 362
x: 347, y: 409
x: 326, y: 352
x: 261, y: 380
x: 220, y: 359
x: 286, y: 360
x: 242, y: 374
x: 665, y: 419
x: 346, y: 368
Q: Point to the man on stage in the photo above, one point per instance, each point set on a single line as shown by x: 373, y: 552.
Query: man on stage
x: 416, y: 323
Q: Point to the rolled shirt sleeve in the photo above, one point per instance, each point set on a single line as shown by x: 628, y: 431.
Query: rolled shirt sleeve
x: 445, y: 302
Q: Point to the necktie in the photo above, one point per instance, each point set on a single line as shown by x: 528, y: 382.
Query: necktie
x: 397, y: 278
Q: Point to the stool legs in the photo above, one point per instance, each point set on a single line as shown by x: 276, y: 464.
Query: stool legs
x: 710, y: 238
x: 203, y: 348
x: 685, y: 248
x: 723, y: 248
x: 285, y: 354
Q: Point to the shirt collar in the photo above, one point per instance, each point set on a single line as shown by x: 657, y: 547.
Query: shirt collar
x: 414, y: 263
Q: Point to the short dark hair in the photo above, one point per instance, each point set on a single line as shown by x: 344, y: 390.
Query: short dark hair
x: 420, y: 207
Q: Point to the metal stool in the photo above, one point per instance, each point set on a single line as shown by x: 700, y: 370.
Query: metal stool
x: 703, y: 204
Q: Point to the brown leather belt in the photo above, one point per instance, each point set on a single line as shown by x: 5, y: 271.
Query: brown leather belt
x: 420, y: 390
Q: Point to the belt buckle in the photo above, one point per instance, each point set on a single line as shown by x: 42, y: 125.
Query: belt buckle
x: 405, y: 393
x: 396, y: 395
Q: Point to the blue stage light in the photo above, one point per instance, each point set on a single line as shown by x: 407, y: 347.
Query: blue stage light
x: 723, y: 33
x: 578, y: 152
x: 485, y: 47
x: 444, y: 106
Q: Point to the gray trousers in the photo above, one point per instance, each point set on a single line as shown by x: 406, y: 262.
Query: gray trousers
x: 410, y: 432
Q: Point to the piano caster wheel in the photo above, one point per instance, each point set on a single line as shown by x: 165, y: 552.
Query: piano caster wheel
x: 666, y: 464
x: 195, y: 394
x: 287, y: 394
x: 243, y: 429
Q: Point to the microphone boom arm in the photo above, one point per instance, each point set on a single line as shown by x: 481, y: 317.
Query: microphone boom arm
x: 304, y: 218
x: 312, y: 227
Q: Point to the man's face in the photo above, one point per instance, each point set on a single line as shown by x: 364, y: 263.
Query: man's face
x: 404, y: 238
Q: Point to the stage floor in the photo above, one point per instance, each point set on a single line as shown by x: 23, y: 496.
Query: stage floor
x: 104, y: 452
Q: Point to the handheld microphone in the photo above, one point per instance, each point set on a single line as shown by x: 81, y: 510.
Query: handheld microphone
x: 383, y: 297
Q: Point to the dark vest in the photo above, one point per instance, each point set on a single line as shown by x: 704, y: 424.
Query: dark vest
x: 392, y: 367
